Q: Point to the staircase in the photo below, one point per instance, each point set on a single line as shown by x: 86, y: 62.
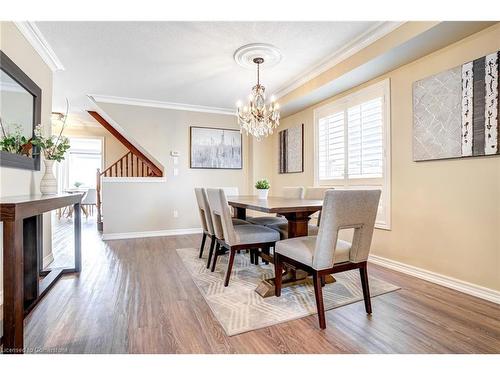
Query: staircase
x: 133, y: 164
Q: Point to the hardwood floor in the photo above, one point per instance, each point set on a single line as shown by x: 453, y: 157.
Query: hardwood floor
x: 134, y: 296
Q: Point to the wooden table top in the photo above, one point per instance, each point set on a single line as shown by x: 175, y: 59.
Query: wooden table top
x: 21, y: 206
x: 274, y: 204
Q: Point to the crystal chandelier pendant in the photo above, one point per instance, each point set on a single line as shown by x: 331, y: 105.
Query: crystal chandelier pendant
x: 257, y: 118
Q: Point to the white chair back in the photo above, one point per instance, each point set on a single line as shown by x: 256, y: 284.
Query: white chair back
x: 315, y: 192
x: 345, y: 209
x: 90, y: 197
x: 295, y: 192
x: 231, y: 190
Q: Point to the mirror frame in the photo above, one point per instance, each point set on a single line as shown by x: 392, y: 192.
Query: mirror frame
x: 8, y: 159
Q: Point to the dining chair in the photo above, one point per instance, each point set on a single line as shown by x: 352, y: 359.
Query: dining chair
x: 313, y: 193
x: 90, y: 200
x: 287, y: 192
x: 236, y: 237
x: 207, y: 224
x: 325, y: 254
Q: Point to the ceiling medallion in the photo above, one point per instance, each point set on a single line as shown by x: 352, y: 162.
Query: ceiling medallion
x: 244, y: 56
x: 257, y: 118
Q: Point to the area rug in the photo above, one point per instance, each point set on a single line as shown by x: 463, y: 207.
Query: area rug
x: 240, y: 309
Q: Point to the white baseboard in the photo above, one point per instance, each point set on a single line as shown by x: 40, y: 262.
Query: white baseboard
x: 436, y: 278
x: 155, y: 233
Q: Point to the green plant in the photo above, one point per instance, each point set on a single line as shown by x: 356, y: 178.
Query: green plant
x: 262, y: 184
x: 53, y: 147
x: 13, y: 141
x: 78, y: 184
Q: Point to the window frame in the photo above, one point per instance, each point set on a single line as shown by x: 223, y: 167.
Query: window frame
x: 342, y: 104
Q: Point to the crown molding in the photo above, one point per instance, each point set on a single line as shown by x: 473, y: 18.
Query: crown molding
x: 160, y: 104
x: 364, y: 40
x: 34, y: 36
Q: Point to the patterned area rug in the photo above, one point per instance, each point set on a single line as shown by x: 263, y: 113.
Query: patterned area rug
x: 240, y: 309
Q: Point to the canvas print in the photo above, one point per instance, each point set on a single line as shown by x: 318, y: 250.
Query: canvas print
x: 291, y: 149
x: 455, y: 113
x: 214, y: 148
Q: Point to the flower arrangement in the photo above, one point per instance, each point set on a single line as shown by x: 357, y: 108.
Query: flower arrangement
x: 53, y: 147
x: 262, y: 184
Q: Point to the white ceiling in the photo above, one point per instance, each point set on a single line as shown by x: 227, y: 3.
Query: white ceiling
x: 185, y: 62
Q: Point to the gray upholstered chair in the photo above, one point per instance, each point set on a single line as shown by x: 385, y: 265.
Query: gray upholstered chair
x: 288, y: 192
x: 325, y: 254
x: 206, y: 222
x: 235, y: 237
x: 313, y: 193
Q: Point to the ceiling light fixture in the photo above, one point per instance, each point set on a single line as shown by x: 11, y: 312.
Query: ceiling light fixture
x: 257, y: 118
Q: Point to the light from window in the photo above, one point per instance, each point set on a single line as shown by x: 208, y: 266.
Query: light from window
x: 350, y: 142
x: 84, y: 159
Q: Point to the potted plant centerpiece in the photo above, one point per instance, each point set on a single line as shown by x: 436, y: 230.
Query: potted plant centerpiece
x: 53, y: 148
x: 262, y: 187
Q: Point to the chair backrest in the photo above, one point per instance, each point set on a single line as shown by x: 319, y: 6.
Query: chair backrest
x: 296, y: 192
x: 231, y: 190
x: 344, y: 209
x: 221, y: 216
x: 204, y: 210
x: 316, y: 193
x: 90, y: 197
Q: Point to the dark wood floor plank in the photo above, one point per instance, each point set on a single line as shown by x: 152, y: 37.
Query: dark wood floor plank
x: 135, y: 296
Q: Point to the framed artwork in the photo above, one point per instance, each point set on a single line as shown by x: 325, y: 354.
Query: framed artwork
x: 215, y: 148
x: 455, y: 112
x: 291, y: 149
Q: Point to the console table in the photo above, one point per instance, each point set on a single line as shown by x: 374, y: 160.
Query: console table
x: 24, y: 280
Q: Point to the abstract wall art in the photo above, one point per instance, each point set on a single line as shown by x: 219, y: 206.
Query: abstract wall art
x: 291, y: 149
x: 455, y: 113
x: 215, y: 148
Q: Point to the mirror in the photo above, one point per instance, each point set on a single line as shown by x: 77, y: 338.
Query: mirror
x: 20, y: 110
x: 16, y: 106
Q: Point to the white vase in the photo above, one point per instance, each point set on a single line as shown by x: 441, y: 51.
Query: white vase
x: 48, y: 184
x: 263, y: 193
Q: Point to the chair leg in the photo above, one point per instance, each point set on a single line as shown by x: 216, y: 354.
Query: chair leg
x: 323, y: 281
x: 229, y: 267
x: 318, y: 293
x: 278, y: 275
x: 363, y: 272
x: 202, y: 245
x: 267, y: 251
x: 210, y: 252
x: 216, y: 255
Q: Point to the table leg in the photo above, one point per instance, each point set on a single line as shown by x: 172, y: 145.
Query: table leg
x: 78, y: 237
x: 241, y: 213
x: 298, y: 223
x: 13, y: 284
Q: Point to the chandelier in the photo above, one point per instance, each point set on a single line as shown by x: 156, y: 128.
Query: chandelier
x: 257, y: 118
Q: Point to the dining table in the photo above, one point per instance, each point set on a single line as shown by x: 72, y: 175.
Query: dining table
x: 298, y: 213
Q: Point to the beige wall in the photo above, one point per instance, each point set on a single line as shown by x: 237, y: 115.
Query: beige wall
x: 445, y: 214
x: 17, y: 181
x: 113, y: 149
x: 138, y: 207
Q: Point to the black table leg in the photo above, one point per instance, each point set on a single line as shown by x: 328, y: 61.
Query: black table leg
x: 78, y: 237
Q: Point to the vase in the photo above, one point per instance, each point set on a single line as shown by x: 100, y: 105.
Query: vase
x: 48, y: 184
x: 262, y: 193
